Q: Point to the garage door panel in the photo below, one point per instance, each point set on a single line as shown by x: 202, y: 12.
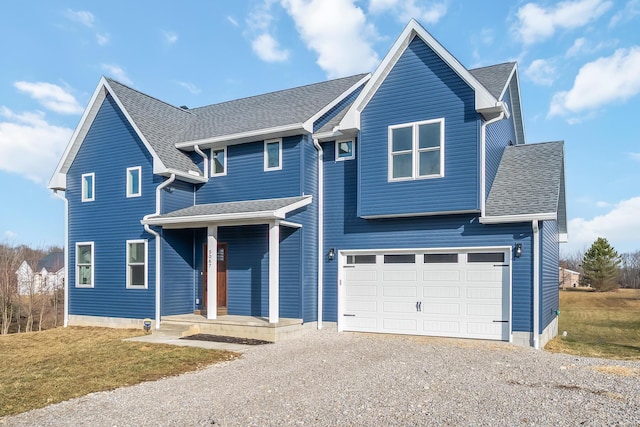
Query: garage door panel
x: 361, y: 306
x: 494, y: 293
x: 399, y: 306
x: 400, y: 325
x: 441, y: 308
x: 441, y: 292
x: 400, y: 291
x: 488, y: 310
x: 400, y: 276
x: 361, y: 323
x: 370, y: 290
x: 492, y: 275
x: 481, y: 330
x: 440, y: 276
x: 441, y: 327
x: 358, y: 275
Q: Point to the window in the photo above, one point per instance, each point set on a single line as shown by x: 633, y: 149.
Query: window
x: 84, y: 264
x: 344, y: 150
x: 361, y: 259
x: 440, y: 258
x: 416, y: 150
x: 486, y: 257
x: 400, y: 259
x: 273, y: 155
x: 219, y: 161
x: 136, y: 263
x: 88, y: 187
x: 134, y: 188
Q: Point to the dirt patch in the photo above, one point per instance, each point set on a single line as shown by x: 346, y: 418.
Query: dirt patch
x: 221, y: 338
x: 618, y: 370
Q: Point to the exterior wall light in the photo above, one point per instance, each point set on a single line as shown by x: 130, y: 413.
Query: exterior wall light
x: 518, y: 253
x: 332, y: 254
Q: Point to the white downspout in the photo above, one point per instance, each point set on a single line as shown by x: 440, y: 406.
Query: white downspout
x: 536, y: 285
x: 483, y: 160
x: 197, y: 149
x: 157, y: 236
x: 320, y: 227
x: 66, y: 257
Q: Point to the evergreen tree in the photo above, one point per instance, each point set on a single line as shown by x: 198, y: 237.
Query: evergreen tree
x: 600, y: 266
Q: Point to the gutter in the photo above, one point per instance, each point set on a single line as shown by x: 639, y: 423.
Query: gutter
x: 148, y: 229
x: 536, y: 284
x: 483, y: 160
x: 320, y: 227
x: 66, y: 256
x: 197, y: 149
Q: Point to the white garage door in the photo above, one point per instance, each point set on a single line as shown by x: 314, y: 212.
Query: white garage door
x: 449, y: 293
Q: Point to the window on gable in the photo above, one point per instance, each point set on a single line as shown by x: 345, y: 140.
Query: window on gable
x: 273, y: 155
x: 416, y: 150
x: 345, y: 150
x: 88, y: 187
x: 84, y: 264
x: 219, y: 161
x: 136, y: 264
x: 134, y: 188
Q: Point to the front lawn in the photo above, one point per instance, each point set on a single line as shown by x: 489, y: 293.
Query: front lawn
x: 41, y: 368
x: 599, y: 324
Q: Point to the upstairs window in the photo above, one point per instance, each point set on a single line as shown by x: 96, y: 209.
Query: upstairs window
x: 88, y: 187
x: 137, y: 264
x: 344, y: 150
x: 416, y: 150
x: 273, y: 155
x: 84, y: 264
x: 134, y: 188
x: 219, y: 161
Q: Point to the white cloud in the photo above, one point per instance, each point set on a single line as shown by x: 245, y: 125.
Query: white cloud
x: 583, y: 46
x: 628, y: 13
x: 541, y: 71
x: 536, y: 23
x: 190, y: 87
x: 268, y: 49
x: 102, y: 39
x: 51, y: 96
x: 605, y: 80
x: 577, y: 47
x: 117, y: 73
x: 170, y: 37
x: 82, y: 16
x: 621, y: 226
x: 29, y: 145
x: 602, y: 204
x: 338, y: 32
x: 10, y: 234
x: 233, y: 21
x: 404, y: 10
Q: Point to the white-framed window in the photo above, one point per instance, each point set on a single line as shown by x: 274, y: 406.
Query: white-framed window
x: 137, y: 264
x: 88, y: 187
x: 134, y: 185
x: 84, y: 264
x: 219, y: 161
x: 416, y: 150
x: 273, y: 154
x: 345, y: 150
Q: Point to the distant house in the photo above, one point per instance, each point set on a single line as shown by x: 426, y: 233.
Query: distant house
x: 43, y: 276
x: 568, y: 278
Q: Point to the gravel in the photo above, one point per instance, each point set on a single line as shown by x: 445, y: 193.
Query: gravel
x: 330, y: 379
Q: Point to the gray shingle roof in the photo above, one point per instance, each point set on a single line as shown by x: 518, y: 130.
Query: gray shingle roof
x: 335, y: 121
x: 246, y: 206
x: 159, y: 122
x: 494, y: 77
x: 530, y: 180
x: 53, y: 262
x: 281, y: 108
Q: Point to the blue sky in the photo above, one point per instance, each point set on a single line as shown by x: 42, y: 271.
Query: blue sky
x: 579, y: 65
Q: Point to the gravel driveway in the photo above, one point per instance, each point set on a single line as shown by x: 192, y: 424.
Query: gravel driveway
x: 330, y: 379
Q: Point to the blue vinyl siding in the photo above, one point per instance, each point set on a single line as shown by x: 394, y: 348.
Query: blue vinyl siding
x: 550, y: 260
x: 110, y: 147
x: 177, y: 195
x: 290, y: 273
x: 178, y: 287
x: 420, y: 87
x: 498, y: 135
x: 336, y: 109
x: 344, y: 230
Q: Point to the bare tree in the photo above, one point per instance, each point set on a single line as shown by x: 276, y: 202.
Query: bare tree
x: 10, y: 259
x: 630, y: 270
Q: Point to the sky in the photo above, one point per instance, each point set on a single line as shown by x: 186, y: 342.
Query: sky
x: 578, y: 62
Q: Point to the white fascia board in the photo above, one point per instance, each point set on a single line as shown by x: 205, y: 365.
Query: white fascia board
x: 282, y: 212
x: 215, y: 218
x: 254, y: 135
x: 289, y: 224
x: 328, y: 136
x: 308, y: 125
x: 483, y: 99
x: 428, y: 250
x: 187, y: 177
x: 550, y: 216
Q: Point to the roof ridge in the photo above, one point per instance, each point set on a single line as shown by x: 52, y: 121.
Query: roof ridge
x: 147, y: 95
x: 494, y: 65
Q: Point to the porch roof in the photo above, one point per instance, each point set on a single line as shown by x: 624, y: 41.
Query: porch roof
x: 230, y: 213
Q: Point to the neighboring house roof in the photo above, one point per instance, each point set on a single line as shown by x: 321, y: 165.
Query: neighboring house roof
x: 246, y: 210
x: 529, y: 185
x: 52, y: 262
x: 568, y: 271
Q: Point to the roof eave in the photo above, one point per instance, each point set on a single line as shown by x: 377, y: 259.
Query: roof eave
x: 502, y: 219
x: 241, y: 137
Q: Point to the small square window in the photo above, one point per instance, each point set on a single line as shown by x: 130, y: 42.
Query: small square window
x: 344, y: 150
x: 88, y: 187
x: 134, y: 188
x: 136, y: 264
x: 273, y: 155
x: 219, y: 161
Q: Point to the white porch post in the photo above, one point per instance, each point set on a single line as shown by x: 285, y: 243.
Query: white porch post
x: 212, y: 271
x: 274, y: 271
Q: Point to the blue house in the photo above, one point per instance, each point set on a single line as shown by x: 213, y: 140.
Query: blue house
x: 404, y: 201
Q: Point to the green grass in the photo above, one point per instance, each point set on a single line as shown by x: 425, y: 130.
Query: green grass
x: 599, y: 324
x: 42, y: 368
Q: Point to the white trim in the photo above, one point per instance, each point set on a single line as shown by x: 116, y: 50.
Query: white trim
x: 415, y: 150
x: 320, y: 277
x: 266, y: 155
x: 83, y: 187
x: 483, y: 162
x: 518, y: 218
x: 289, y: 224
x: 146, y: 265
x: 563, y: 238
x: 337, y: 150
x: 205, y: 161
x: 212, y: 272
x: 66, y: 257
x: 139, y: 170
x: 536, y: 284
x: 414, y: 214
x: 274, y: 272
x: 93, y: 266
x: 224, y: 161
x: 250, y: 136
